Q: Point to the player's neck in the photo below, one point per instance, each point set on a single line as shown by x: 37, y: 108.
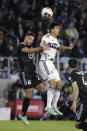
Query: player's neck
x: 53, y: 35
x: 71, y: 69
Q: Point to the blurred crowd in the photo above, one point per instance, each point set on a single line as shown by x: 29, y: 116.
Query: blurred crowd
x: 19, y: 16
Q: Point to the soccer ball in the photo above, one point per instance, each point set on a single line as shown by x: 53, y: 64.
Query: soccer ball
x: 47, y: 13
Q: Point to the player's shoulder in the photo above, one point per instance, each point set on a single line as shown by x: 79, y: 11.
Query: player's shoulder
x: 74, y: 72
x: 46, y: 35
x: 72, y: 77
x: 20, y: 46
x: 78, y: 72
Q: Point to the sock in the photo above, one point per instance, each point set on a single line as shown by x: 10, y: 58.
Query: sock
x: 82, y: 125
x: 50, y: 94
x: 44, y: 97
x: 55, y: 98
x: 26, y: 103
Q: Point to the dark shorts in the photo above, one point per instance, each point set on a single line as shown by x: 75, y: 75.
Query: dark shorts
x: 30, y: 79
x: 81, y: 113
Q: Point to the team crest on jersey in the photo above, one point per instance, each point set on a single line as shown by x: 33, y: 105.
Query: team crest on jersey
x: 53, y: 45
x: 30, y: 56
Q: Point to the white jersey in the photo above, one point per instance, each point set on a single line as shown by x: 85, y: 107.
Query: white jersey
x: 53, y: 46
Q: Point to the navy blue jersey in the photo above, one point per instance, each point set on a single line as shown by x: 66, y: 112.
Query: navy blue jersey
x: 25, y: 59
x: 81, y: 79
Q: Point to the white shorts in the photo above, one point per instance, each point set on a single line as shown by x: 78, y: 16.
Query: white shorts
x: 48, y: 71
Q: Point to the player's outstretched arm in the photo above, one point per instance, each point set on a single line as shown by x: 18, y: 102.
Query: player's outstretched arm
x: 44, y: 45
x: 75, y: 96
x: 32, y: 50
x: 61, y: 47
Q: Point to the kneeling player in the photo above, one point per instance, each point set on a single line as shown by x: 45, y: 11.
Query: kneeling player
x: 78, y: 80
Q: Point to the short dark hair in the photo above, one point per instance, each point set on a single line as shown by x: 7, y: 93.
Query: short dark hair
x: 73, y: 63
x: 52, y: 25
x: 30, y: 33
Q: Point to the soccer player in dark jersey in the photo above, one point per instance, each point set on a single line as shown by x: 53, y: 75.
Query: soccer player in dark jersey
x: 28, y: 75
x: 78, y: 80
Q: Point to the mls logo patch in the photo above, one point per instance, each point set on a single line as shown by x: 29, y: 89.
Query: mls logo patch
x: 29, y: 82
x: 69, y: 78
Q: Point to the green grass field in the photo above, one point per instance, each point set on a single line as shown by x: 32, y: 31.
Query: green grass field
x: 37, y: 126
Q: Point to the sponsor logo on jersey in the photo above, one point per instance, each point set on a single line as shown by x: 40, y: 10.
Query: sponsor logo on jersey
x: 53, y: 45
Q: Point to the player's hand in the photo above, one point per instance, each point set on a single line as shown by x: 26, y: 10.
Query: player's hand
x: 44, y: 46
x: 73, y: 107
x: 71, y: 46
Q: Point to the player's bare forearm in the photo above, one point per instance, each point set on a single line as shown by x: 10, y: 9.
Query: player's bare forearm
x: 44, y: 45
x: 61, y: 47
x: 32, y: 50
x: 75, y: 96
x: 75, y: 91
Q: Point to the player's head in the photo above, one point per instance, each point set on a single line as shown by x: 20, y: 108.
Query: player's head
x: 29, y: 38
x: 73, y: 63
x: 55, y: 28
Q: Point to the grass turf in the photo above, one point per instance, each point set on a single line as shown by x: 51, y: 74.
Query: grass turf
x: 37, y: 126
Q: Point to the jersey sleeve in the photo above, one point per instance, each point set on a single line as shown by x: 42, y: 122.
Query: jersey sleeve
x: 72, y: 78
x: 20, y: 47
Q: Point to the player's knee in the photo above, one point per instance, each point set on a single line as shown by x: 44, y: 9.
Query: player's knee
x: 77, y: 126
x: 41, y: 87
x: 82, y: 125
x: 59, y: 88
x: 29, y: 96
x: 52, y: 84
x: 59, y: 85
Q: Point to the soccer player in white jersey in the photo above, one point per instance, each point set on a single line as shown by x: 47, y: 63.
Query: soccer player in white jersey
x: 47, y: 68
